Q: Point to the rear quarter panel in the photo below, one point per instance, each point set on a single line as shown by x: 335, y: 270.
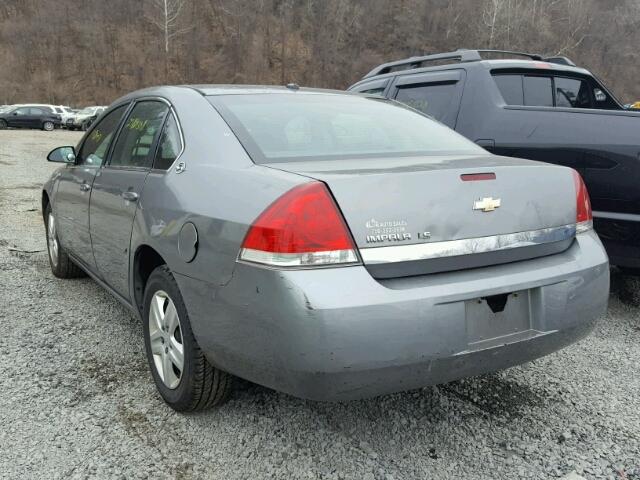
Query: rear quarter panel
x: 221, y: 192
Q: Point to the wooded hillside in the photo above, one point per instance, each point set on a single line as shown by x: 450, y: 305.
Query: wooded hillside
x: 81, y: 52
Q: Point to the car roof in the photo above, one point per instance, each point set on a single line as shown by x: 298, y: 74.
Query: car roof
x: 222, y: 89
x: 468, y: 59
x: 208, y: 90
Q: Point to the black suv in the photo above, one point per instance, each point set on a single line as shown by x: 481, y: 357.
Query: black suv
x: 538, y: 108
x: 30, y: 116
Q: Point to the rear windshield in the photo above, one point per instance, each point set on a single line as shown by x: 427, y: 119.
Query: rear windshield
x: 287, y: 127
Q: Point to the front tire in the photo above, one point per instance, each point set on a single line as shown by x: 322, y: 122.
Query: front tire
x: 3, y: 124
x: 48, y: 126
x: 61, y: 265
x: 183, y: 376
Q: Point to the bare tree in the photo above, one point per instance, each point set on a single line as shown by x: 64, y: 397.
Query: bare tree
x: 166, y: 18
x: 113, y: 47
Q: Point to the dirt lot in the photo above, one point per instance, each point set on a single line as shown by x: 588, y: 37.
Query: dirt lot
x: 77, y: 399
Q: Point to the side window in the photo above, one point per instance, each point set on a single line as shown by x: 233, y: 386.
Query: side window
x: 537, y: 91
x: 169, y: 146
x: 374, y: 91
x: 510, y: 87
x: 94, y: 148
x: 22, y: 111
x: 572, y: 93
x: 376, y: 87
x: 37, y: 111
x: 436, y: 99
x: 138, y: 135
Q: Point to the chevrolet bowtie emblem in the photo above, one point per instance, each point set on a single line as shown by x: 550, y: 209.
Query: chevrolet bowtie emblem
x: 488, y: 204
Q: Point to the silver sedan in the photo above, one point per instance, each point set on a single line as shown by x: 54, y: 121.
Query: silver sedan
x: 329, y: 245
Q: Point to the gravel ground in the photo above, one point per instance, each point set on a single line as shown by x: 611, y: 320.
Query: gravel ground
x: 77, y: 399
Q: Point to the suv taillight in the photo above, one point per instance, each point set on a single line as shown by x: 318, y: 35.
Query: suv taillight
x: 302, y: 228
x: 584, y: 216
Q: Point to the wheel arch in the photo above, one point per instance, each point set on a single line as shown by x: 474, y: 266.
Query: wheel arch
x: 145, y: 260
x: 45, y: 202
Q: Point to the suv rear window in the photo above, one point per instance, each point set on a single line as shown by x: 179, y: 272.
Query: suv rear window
x: 538, y: 91
x: 287, y: 127
x: 510, y: 87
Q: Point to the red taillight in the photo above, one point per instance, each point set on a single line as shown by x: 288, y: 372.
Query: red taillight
x: 584, y: 217
x: 301, y: 228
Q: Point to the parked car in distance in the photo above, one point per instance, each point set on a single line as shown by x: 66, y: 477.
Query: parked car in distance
x: 329, y: 245
x: 29, y: 116
x: 537, y: 108
x: 82, y: 119
x: 64, y: 112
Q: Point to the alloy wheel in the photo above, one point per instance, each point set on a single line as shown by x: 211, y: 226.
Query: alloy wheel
x: 52, y: 240
x: 48, y: 126
x: 166, y: 340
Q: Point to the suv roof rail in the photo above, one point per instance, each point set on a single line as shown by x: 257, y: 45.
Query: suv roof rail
x: 460, y: 55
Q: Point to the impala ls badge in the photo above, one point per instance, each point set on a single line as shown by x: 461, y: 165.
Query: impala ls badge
x: 487, y: 204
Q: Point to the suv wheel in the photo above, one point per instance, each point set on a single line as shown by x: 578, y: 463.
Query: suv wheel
x: 3, y: 124
x: 48, y: 126
x: 182, y: 374
x: 61, y: 265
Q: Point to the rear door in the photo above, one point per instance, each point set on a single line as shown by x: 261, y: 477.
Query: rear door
x: 71, y: 204
x: 118, y: 188
x: 37, y: 116
x: 437, y: 94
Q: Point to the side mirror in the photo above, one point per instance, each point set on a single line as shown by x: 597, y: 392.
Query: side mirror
x: 62, y: 155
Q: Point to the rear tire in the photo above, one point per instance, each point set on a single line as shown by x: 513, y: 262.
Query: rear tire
x: 61, y: 265
x: 183, y: 376
x: 48, y: 126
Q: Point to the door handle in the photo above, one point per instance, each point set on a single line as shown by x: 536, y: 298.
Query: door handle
x: 85, y: 187
x: 130, y: 196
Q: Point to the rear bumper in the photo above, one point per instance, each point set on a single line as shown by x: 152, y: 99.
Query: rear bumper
x: 338, y: 334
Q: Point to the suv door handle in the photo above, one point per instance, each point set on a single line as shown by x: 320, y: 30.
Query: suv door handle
x: 85, y: 187
x: 131, y: 196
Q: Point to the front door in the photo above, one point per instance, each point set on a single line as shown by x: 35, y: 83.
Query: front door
x: 19, y: 118
x: 71, y: 206
x: 117, y: 192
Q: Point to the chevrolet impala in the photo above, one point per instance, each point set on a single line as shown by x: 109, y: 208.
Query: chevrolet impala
x: 330, y: 245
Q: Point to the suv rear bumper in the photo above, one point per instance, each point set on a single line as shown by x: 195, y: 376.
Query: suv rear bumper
x: 338, y: 334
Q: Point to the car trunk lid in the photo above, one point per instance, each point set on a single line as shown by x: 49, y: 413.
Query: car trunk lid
x: 448, y: 213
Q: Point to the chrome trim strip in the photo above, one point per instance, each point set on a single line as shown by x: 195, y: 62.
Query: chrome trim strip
x: 467, y: 246
x: 631, y: 217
